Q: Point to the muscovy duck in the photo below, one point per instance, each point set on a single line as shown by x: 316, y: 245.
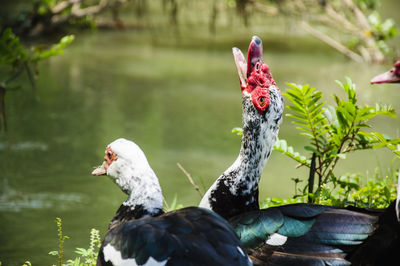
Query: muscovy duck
x: 391, y: 76
x: 142, y: 234
x: 294, y: 234
x: 236, y: 190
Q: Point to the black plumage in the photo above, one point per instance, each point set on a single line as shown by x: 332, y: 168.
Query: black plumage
x: 190, y: 236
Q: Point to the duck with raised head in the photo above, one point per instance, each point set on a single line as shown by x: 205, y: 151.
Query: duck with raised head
x: 294, y: 234
x: 142, y: 234
x: 391, y: 76
x: 236, y: 190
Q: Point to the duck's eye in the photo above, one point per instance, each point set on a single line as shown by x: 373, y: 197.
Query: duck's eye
x: 261, y: 100
x: 109, y: 154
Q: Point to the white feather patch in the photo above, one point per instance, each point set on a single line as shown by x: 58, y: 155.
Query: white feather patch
x: 205, y: 201
x: 276, y: 240
x: 114, y: 256
x: 240, y: 250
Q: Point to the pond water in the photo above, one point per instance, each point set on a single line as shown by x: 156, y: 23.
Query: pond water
x: 177, y: 100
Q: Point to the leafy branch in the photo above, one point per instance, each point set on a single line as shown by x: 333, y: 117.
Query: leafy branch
x: 47, y: 16
x: 382, y: 141
x: 282, y: 147
x: 332, y: 131
x: 19, y: 60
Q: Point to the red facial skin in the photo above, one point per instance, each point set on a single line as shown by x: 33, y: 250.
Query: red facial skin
x: 109, y: 157
x: 254, y: 75
x: 259, y: 81
x: 397, y: 68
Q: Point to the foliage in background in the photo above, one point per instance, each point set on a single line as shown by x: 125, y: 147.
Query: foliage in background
x: 333, y: 132
x: 350, y: 189
x: 362, y: 30
x: 18, y: 60
x: 88, y: 257
x: 50, y: 16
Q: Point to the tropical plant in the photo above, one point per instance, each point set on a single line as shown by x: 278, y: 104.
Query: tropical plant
x: 332, y: 133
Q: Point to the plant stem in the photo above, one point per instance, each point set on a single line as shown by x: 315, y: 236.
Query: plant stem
x: 196, y: 187
x: 30, y: 76
x: 311, y: 178
x: 3, y: 107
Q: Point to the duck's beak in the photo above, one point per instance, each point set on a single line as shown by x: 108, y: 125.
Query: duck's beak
x: 387, y: 77
x: 100, y: 170
x: 241, y: 65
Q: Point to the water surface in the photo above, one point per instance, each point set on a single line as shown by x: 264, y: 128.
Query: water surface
x: 177, y: 100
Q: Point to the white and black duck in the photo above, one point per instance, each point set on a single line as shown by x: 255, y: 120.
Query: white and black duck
x: 295, y: 234
x: 391, y: 76
x: 142, y: 234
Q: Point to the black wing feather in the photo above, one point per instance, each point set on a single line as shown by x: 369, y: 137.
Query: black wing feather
x: 190, y: 236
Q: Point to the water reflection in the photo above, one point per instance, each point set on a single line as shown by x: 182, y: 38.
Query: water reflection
x: 24, y: 146
x: 12, y: 200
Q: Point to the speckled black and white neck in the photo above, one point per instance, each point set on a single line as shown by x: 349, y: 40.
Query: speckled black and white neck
x: 236, y: 190
x: 133, y: 174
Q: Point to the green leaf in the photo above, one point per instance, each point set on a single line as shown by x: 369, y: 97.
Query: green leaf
x: 312, y: 149
x: 304, y: 125
x: 82, y: 251
x: 237, y: 130
x: 281, y: 146
x: 297, y: 109
x: 301, y: 118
